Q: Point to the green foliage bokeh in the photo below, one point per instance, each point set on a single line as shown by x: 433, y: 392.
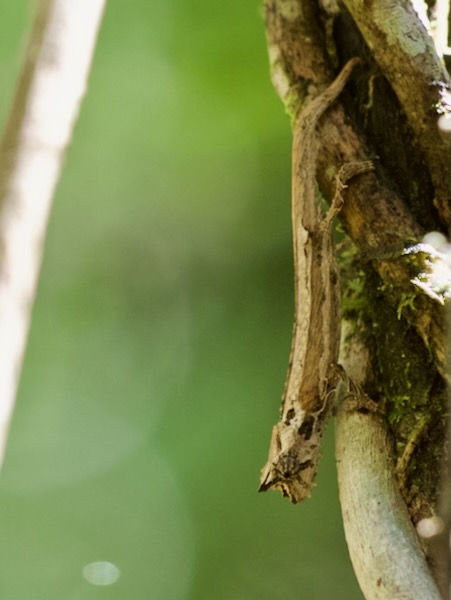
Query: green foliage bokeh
x: 161, y: 330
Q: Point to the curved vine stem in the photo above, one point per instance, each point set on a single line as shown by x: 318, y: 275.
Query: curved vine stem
x: 385, y: 550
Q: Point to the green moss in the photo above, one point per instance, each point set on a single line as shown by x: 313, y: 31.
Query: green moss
x: 404, y: 380
x: 407, y: 300
x: 353, y: 299
x: 414, y: 394
x: 399, y: 407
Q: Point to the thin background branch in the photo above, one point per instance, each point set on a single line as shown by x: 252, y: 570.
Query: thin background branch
x: 40, y: 124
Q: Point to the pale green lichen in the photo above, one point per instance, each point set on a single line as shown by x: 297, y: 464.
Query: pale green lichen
x: 281, y: 81
x: 289, y: 9
x: 397, y: 25
x: 279, y: 76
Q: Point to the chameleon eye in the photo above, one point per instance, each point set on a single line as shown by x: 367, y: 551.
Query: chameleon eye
x: 290, y: 414
x: 306, y: 429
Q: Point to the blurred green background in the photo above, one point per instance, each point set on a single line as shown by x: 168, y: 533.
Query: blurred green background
x: 161, y: 330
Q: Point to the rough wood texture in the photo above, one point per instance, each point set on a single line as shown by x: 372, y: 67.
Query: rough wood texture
x: 374, y: 215
x: 406, y: 55
x: 405, y: 324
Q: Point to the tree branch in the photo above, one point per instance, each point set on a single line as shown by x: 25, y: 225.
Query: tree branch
x: 45, y: 107
x: 406, y: 55
x: 385, y: 551
x: 407, y: 321
x: 374, y: 215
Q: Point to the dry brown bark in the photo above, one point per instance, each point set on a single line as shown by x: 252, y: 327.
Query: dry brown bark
x: 388, y: 115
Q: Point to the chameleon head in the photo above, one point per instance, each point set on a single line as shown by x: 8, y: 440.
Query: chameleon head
x: 293, y: 457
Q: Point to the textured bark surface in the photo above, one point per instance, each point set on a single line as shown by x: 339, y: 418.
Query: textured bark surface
x: 405, y: 54
x: 388, y: 114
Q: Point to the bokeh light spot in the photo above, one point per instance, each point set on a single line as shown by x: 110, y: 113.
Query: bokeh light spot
x: 429, y: 527
x: 444, y: 123
x: 437, y: 240
x: 101, y: 573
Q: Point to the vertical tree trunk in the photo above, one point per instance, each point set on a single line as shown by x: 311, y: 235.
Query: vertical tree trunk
x: 396, y: 283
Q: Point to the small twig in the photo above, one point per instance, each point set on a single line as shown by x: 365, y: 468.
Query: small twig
x: 345, y: 174
x: 404, y: 460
